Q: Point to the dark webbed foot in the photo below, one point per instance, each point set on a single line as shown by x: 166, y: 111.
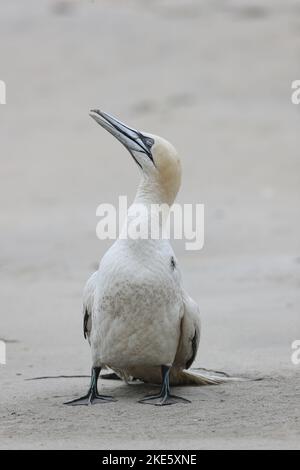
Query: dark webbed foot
x: 164, y: 397
x: 92, y: 397
x: 90, y: 400
x: 158, y: 400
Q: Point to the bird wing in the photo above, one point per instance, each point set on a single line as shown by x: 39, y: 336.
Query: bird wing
x: 88, y: 301
x: 189, y: 334
x: 185, y: 355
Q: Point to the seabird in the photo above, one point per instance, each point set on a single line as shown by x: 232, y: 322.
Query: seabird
x: 139, y: 320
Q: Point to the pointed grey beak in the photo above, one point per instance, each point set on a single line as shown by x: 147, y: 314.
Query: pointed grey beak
x: 133, y: 140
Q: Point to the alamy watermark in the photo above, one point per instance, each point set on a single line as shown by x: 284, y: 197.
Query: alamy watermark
x: 152, y: 221
x: 2, y: 352
x: 295, y: 357
x: 2, y: 92
x: 295, y: 97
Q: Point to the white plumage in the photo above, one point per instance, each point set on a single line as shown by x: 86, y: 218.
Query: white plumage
x: 139, y: 320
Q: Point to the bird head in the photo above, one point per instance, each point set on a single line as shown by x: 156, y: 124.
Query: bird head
x: 156, y: 158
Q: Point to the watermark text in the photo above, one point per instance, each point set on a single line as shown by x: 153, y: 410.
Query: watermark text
x: 152, y: 221
x: 295, y: 357
x: 2, y: 92
x: 295, y: 97
x: 2, y: 352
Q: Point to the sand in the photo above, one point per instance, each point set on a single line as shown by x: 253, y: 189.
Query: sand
x: 215, y: 79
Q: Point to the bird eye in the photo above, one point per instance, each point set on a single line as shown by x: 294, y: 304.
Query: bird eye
x: 149, y: 142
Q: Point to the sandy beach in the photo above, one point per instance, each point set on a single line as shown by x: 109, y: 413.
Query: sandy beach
x: 214, y: 78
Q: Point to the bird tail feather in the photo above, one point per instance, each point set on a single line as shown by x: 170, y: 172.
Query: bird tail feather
x: 184, y: 377
x: 178, y: 376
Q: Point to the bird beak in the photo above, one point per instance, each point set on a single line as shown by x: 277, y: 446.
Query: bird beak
x: 133, y: 140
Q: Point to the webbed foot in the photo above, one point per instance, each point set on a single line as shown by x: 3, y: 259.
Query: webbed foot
x: 164, y: 397
x: 92, y: 397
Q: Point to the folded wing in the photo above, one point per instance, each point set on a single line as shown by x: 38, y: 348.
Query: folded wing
x: 88, y: 302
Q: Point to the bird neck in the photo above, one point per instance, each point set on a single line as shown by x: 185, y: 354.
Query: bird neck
x: 152, y: 191
x: 147, y: 216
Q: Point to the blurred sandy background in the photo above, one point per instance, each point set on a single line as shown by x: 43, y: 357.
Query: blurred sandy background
x: 213, y: 77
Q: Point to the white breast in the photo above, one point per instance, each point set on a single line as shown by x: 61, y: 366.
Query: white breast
x: 138, y: 306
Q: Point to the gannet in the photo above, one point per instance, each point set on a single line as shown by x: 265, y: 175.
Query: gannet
x: 138, y: 318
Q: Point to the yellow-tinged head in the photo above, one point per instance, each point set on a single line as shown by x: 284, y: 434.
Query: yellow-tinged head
x: 157, y: 159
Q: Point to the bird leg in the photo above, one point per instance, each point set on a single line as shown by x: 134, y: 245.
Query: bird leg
x: 164, y: 397
x: 92, y: 397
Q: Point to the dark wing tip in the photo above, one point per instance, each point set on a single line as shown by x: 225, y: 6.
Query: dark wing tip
x: 85, y: 322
